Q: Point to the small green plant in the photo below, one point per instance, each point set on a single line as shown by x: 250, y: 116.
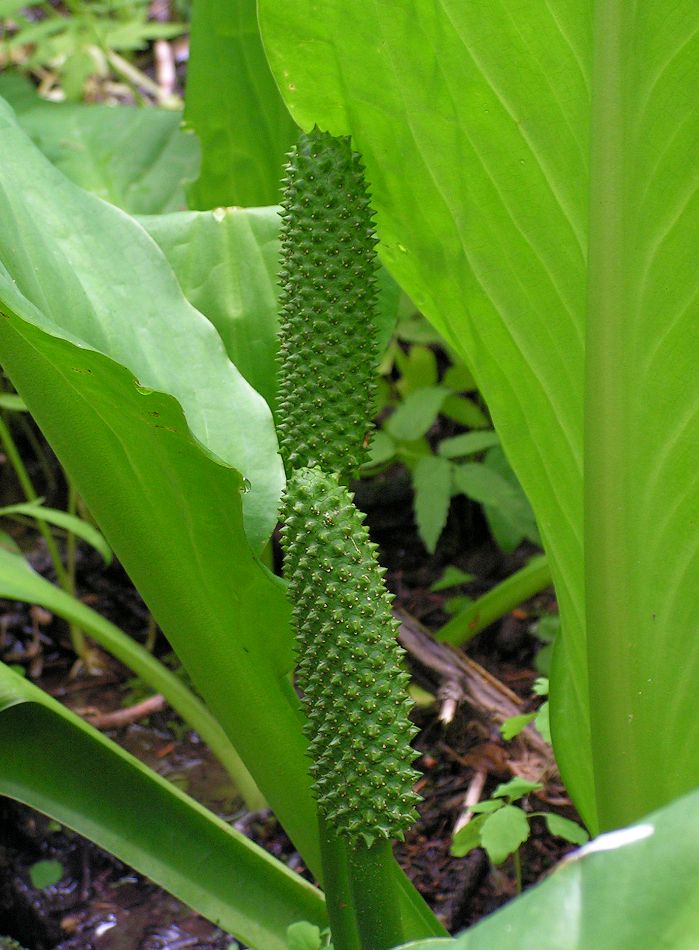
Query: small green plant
x: 7, y: 943
x: 501, y: 827
x: 45, y: 873
x: 513, y: 726
x: 305, y: 936
x: 470, y: 464
x: 84, y: 40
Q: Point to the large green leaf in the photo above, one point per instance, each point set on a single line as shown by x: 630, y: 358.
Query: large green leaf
x: 137, y: 159
x: 638, y: 887
x: 235, y: 108
x: 476, y: 122
x: 58, y: 764
x: 226, y: 262
x: 75, y: 263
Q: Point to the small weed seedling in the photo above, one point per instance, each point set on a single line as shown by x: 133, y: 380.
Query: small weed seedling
x: 470, y: 463
x: 66, y: 51
x: 500, y: 827
x: 513, y: 726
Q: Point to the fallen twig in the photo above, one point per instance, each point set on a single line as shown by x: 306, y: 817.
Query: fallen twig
x: 123, y: 717
x: 458, y: 678
x: 472, y: 797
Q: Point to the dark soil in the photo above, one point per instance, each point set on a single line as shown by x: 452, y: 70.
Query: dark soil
x: 100, y: 904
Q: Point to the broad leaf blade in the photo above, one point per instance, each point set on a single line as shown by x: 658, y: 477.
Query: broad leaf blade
x: 58, y: 764
x: 74, y: 263
x: 137, y: 159
x: 226, y: 262
x: 642, y: 422
x: 19, y: 582
x: 235, y: 108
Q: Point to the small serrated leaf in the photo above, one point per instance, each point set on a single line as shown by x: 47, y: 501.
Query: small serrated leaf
x: 432, y: 484
x: 468, y: 443
x: 514, y: 520
x: 513, y: 726
x: 459, y: 378
x: 541, y: 686
x: 487, y: 487
x: 418, y: 371
x: 381, y: 449
x: 465, y: 412
x: 452, y: 577
x: 503, y: 832
x: 417, y: 414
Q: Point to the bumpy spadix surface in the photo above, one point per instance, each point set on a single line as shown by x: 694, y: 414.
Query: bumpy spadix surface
x: 350, y: 667
x: 328, y: 344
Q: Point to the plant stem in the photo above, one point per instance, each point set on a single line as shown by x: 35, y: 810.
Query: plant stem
x: 361, y: 895
x: 151, y: 634
x: 375, y: 896
x: 77, y: 637
x: 517, y: 863
x: 139, y: 79
x: 30, y: 494
x: 504, y: 597
x: 339, y: 897
x: 48, y: 475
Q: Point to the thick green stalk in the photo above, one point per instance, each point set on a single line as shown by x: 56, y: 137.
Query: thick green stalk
x: 619, y: 782
x: 363, y: 895
x: 375, y: 895
x: 339, y: 898
x: 500, y: 600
